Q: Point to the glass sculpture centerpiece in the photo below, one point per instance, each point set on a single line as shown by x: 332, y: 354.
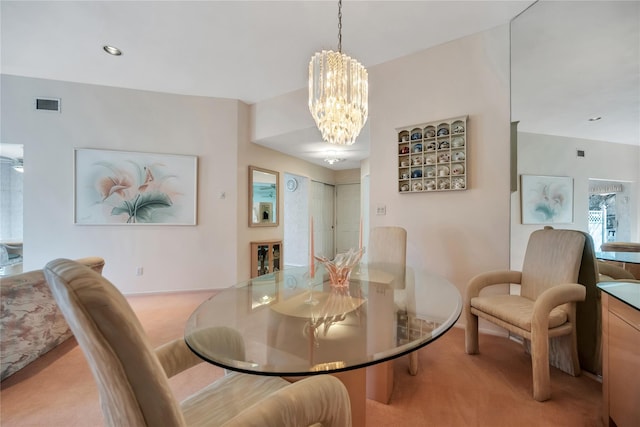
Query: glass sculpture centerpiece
x: 340, y: 267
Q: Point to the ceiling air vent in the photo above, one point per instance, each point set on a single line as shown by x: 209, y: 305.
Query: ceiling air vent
x: 48, y: 104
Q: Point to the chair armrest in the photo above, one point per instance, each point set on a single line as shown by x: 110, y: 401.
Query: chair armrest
x: 489, y: 278
x: 613, y: 271
x: 175, y: 357
x: 553, y: 297
x: 319, y: 399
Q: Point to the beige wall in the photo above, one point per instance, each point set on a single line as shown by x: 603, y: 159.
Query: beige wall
x: 213, y: 254
x: 455, y: 234
x: 173, y: 257
x: 257, y: 155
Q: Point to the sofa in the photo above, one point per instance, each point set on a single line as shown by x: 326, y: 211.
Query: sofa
x: 30, y: 320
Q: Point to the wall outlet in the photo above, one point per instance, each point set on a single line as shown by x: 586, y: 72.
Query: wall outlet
x: 139, y: 271
x: 381, y: 210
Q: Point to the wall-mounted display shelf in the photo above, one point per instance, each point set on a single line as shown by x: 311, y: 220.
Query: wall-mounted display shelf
x: 265, y: 257
x: 433, y: 156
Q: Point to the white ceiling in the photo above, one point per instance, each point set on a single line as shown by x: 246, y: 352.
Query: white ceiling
x: 572, y: 61
x: 247, y: 50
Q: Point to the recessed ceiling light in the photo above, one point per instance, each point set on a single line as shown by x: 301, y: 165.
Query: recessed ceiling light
x: 332, y: 157
x: 112, y: 50
x: 595, y: 119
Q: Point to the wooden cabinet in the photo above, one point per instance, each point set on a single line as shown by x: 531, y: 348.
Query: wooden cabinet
x: 433, y: 156
x: 621, y: 355
x: 266, y: 257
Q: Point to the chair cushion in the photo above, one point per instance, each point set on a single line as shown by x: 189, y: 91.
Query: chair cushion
x: 552, y: 257
x: 516, y: 310
x: 227, y: 397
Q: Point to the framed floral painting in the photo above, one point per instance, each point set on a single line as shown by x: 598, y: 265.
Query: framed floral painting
x: 124, y: 187
x: 546, y: 199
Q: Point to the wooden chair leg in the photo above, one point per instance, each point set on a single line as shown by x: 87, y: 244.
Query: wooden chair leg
x: 413, y: 363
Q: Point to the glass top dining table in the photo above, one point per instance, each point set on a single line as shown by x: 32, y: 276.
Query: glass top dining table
x: 289, y: 324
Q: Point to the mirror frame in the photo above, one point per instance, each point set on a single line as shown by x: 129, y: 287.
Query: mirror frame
x: 276, y: 220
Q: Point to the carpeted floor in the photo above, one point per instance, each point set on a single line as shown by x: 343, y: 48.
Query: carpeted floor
x: 452, y: 389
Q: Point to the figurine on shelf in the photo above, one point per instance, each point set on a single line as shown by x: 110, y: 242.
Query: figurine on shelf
x: 458, y: 156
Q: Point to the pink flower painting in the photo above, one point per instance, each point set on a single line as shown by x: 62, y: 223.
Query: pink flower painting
x: 116, y: 187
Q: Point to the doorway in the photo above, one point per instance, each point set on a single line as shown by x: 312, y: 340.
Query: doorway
x: 304, y: 199
x: 323, y: 212
x: 610, y: 216
x: 11, y: 208
x: 348, y: 217
x: 336, y: 217
x: 603, y: 223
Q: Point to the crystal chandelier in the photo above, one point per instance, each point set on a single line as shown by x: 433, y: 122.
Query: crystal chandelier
x: 338, y: 93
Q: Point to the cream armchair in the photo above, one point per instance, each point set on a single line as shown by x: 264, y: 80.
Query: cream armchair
x: 132, y: 378
x: 546, y: 306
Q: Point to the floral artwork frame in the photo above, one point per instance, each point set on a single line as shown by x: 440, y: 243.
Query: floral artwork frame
x: 546, y: 199
x: 134, y: 188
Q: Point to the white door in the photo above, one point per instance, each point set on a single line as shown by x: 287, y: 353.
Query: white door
x: 322, y: 209
x: 347, y: 217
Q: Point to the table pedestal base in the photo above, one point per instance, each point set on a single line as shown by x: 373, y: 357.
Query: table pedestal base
x: 374, y: 382
x: 356, y: 383
x: 380, y: 382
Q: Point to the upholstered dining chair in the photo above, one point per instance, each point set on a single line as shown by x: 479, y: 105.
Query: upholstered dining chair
x: 546, y: 306
x: 132, y: 377
x: 388, y: 252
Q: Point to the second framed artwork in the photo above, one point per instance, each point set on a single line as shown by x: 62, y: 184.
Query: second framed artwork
x: 125, y: 187
x: 546, y: 199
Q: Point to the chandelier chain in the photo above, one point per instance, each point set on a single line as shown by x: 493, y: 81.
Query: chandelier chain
x: 340, y: 26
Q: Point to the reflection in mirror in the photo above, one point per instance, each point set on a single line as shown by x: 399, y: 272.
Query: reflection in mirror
x: 263, y: 197
x: 575, y: 80
x: 11, y: 183
x: 609, y: 212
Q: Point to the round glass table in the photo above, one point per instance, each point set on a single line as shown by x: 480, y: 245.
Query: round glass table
x: 291, y: 325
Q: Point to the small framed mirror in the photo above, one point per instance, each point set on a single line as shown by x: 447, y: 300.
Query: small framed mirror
x: 263, y: 197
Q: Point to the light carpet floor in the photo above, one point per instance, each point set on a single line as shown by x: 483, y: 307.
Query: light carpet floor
x: 451, y: 389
